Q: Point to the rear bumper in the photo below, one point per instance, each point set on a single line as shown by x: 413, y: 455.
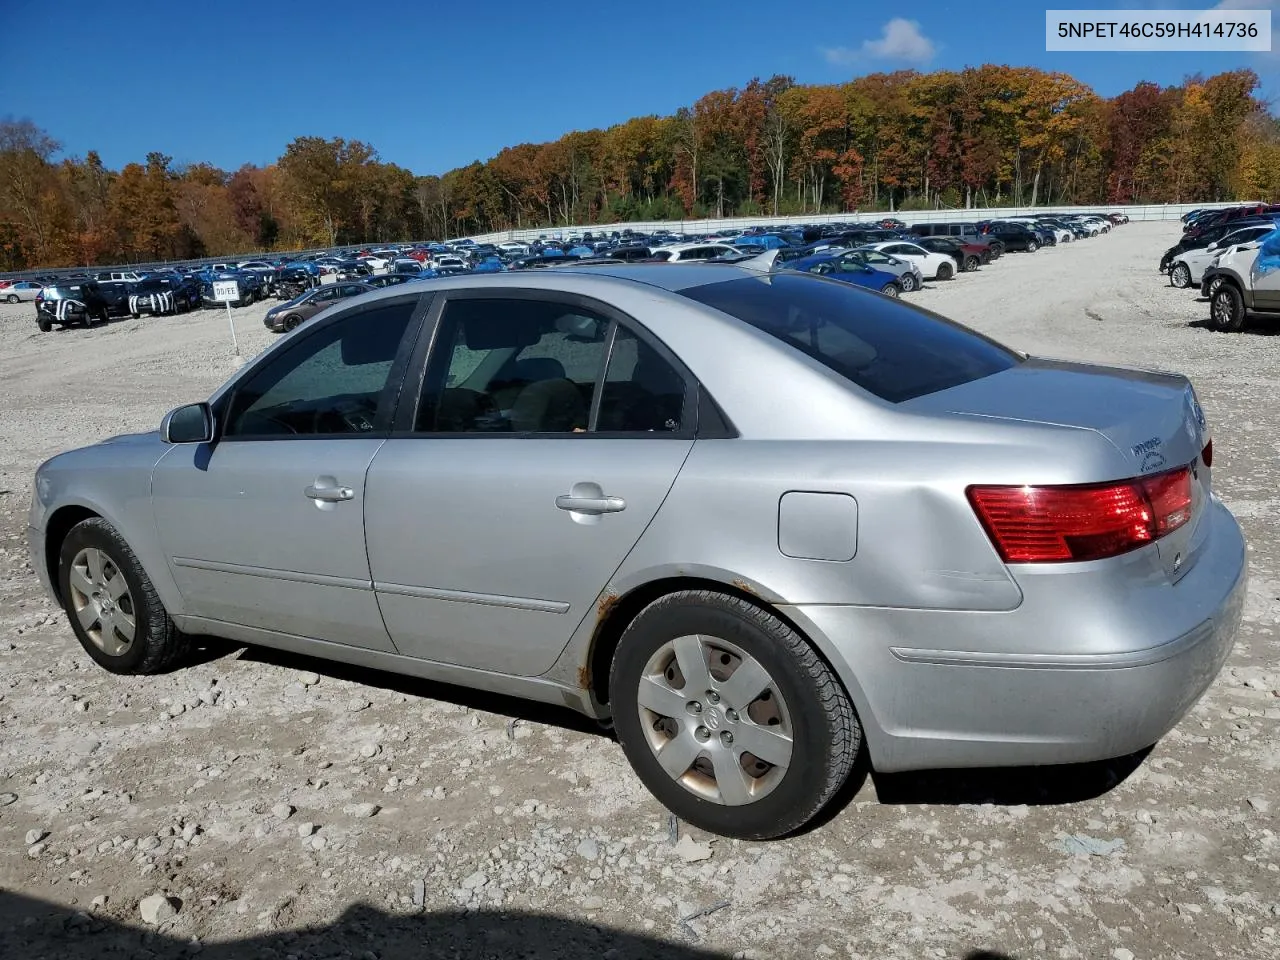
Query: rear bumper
x: 942, y: 689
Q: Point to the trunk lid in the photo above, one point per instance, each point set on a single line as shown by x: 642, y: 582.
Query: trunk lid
x: 1153, y: 419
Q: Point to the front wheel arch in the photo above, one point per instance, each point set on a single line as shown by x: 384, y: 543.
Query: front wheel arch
x: 60, y: 523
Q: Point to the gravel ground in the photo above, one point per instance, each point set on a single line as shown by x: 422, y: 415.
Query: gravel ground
x: 259, y: 804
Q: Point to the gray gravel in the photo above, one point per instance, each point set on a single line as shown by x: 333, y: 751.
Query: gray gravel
x: 266, y: 805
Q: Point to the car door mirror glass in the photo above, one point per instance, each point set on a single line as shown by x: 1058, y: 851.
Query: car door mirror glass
x: 190, y: 424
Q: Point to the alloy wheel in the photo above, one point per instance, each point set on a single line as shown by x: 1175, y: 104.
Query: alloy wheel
x: 101, y: 601
x: 715, y: 720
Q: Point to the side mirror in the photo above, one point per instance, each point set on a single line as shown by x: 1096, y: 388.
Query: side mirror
x: 190, y: 424
x: 1212, y: 246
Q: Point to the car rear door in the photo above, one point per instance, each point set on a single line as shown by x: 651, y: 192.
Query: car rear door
x: 264, y: 528
x: 513, y: 489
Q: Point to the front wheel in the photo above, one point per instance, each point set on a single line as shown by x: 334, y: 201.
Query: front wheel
x: 291, y: 322
x: 729, y: 717
x: 971, y: 263
x: 1180, y: 276
x: 1227, y: 312
x: 945, y: 272
x: 1214, y: 284
x: 1032, y: 247
x: 891, y: 289
x: 44, y: 324
x: 12, y: 298
x: 113, y: 607
x: 908, y: 281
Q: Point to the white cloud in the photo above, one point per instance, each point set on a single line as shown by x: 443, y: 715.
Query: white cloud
x: 900, y: 40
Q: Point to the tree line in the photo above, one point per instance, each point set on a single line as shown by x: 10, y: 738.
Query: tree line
x: 983, y: 136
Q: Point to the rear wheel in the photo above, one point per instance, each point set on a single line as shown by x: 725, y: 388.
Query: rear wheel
x: 945, y: 272
x: 908, y: 281
x: 1227, y: 312
x: 729, y: 717
x: 891, y: 289
x: 1180, y: 276
x: 113, y: 607
x: 971, y: 263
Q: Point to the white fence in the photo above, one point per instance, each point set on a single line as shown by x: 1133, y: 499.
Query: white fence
x: 1166, y: 211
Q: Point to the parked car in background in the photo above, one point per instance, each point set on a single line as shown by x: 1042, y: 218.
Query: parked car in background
x: 1188, y: 267
x: 17, y: 291
x: 850, y: 270
x: 163, y: 295
x: 933, y: 265
x: 287, y: 316
x: 906, y: 271
x: 1244, y: 283
x: 967, y: 255
x: 695, y: 251
x: 69, y: 304
x: 1014, y: 236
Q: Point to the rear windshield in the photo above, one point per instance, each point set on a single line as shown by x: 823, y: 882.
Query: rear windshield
x: 886, y: 347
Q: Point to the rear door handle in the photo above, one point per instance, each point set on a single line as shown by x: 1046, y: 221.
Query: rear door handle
x: 329, y: 494
x: 591, y: 504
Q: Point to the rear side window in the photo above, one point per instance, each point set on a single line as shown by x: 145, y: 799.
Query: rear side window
x: 892, y: 350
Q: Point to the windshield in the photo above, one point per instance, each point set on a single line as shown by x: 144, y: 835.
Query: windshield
x: 882, y: 345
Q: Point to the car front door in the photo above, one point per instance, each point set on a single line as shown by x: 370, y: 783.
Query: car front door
x: 498, y: 511
x: 264, y: 528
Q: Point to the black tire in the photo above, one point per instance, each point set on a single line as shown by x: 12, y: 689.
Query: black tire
x: 291, y: 322
x: 825, y: 732
x: 44, y: 323
x: 891, y: 290
x: 156, y: 645
x: 971, y: 263
x: 135, y: 315
x: 12, y: 298
x: 945, y: 272
x: 1180, y: 276
x: 1032, y: 246
x: 908, y: 282
x: 1226, y: 310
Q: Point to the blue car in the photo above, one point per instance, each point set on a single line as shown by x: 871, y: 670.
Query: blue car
x: 760, y: 241
x: 489, y: 265
x: 849, y: 271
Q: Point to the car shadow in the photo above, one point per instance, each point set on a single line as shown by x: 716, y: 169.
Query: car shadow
x: 513, y: 708
x: 1251, y: 327
x: 1009, y: 786
x: 1005, y: 786
x: 35, y: 928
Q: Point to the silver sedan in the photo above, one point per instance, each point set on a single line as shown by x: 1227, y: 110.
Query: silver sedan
x: 757, y: 520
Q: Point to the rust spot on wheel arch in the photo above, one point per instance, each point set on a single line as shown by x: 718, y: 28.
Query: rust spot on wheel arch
x: 584, y: 677
x: 746, y: 587
x: 606, y: 605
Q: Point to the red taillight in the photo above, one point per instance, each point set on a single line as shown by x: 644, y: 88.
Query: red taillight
x: 1206, y: 454
x: 1088, y: 522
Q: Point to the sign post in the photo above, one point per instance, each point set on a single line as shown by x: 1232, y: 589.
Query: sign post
x: 226, y: 291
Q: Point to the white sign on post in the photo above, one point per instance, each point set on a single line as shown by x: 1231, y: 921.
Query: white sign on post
x: 227, y: 291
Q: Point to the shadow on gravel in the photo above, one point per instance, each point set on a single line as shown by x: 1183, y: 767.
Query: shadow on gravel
x: 510, y: 707
x: 1255, y: 325
x: 1009, y: 786
x: 35, y: 930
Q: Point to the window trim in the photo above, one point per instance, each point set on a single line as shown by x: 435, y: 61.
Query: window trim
x: 427, y: 353
x: 391, y: 391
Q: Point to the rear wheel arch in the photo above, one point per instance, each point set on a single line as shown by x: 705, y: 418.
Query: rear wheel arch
x: 618, y: 610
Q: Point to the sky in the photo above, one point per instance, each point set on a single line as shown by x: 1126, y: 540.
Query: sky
x: 436, y: 86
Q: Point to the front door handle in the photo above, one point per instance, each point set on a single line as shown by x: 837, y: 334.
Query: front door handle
x: 593, y: 505
x: 329, y: 494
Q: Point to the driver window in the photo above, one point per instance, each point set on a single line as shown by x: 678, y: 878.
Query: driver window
x: 330, y: 382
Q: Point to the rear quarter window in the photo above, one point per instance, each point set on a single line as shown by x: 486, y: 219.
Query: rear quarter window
x: 890, y: 349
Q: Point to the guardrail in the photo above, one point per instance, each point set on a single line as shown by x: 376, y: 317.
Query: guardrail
x: 1166, y: 211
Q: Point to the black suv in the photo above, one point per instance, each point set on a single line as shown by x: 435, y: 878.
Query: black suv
x: 80, y: 303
